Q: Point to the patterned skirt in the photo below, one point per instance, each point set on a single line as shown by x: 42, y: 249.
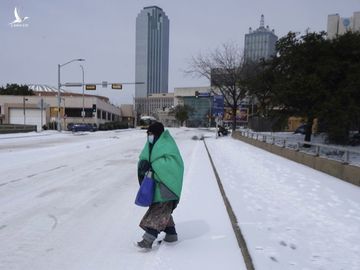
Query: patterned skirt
x: 158, y: 216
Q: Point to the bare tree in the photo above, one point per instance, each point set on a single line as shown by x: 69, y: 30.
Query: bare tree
x: 224, y: 68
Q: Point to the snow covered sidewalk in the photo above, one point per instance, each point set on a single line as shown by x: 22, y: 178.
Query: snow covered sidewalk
x: 67, y: 203
x: 207, y: 240
x: 291, y: 216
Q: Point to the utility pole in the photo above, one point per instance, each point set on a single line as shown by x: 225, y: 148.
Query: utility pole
x: 83, y: 102
x: 24, y: 99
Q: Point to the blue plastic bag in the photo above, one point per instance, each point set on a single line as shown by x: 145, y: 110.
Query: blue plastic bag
x: 145, y: 194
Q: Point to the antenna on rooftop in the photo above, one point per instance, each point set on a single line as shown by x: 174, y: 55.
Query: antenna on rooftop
x: 262, y: 21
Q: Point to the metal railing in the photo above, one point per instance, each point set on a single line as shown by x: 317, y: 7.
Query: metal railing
x: 345, y: 155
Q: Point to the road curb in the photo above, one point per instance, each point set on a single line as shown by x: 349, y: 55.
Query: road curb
x: 239, y: 237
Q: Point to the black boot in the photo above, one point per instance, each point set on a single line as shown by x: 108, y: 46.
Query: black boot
x: 144, y: 244
x: 147, y: 241
x: 170, y: 238
x: 171, y: 235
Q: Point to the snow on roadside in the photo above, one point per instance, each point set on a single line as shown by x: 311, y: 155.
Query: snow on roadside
x: 292, y: 216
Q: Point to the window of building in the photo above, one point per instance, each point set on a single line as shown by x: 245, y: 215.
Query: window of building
x: 76, y: 112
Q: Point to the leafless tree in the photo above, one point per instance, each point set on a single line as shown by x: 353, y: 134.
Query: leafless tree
x: 224, y: 68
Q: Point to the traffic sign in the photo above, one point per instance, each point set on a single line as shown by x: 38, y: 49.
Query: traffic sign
x: 203, y: 94
x: 218, y: 105
x: 73, y: 84
x: 116, y: 86
x: 90, y: 87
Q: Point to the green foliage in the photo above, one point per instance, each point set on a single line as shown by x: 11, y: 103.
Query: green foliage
x: 182, y: 113
x: 259, y: 82
x: 298, y: 80
x: 312, y: 77
x: 16, y: 90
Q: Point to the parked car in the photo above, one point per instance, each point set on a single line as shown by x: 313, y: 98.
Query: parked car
x: 301, y: 129
x: 69, y: 126
x: 82, y: 127
x: 355, y: 139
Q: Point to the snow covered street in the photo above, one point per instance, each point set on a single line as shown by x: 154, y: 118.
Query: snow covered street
x: 67, y: 202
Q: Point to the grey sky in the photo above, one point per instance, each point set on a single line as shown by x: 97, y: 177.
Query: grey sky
x: 103, y: 32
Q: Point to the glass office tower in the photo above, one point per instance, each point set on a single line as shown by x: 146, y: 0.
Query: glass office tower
x: 152, y: 52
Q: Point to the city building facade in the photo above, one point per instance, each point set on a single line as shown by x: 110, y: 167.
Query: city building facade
x: 260, y: 43
x: 154, y: 102
x: 200, y: 99
x: 337, y: 25
x: 41, y: 109
x: 152, y: 52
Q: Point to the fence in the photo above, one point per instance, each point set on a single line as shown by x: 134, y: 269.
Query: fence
x: 345, y: 155
x: 337, y: 161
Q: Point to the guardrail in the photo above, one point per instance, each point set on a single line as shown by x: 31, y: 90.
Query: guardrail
x: 342, y: 154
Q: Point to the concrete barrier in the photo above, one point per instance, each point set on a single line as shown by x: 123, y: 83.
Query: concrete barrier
x: 346, y: 172
x: 10, y: 128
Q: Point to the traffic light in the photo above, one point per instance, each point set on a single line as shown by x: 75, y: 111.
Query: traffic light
x: 94, y: 108
x: 90, y: 87
x: 116, y: 86
x: 197, y: 94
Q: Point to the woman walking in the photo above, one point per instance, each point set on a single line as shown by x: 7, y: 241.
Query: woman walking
x: 162, y: 159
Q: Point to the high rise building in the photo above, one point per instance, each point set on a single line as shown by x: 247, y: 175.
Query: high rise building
x: 337, y: 25
x: 260, y: 43
x: 152, y: 52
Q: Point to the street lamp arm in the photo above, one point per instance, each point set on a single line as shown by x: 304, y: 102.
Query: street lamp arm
x: 59, y: 85
x: 80, y: 59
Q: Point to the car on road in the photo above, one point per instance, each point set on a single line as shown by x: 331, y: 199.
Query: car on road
x: 301, y: 129
x: 355, y: 139
x: 82, y: 127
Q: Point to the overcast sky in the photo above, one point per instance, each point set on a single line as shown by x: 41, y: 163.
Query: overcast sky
x: 103, y: 32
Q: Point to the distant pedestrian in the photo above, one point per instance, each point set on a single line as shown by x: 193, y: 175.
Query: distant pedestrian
x: 160, y: 157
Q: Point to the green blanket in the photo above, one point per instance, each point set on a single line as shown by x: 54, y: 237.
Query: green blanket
x: 167, y: 165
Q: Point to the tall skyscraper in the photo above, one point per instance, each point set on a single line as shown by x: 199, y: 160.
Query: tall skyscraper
x: 337, y: 25
x: 152, y: 52
x: 260, y: 43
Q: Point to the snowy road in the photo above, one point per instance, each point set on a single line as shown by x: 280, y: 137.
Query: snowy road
x: 66, y: 202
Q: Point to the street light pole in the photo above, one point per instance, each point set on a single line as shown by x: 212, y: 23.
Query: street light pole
x: 58, y: 99
x: 83, y: 105
x: 24, y: 99
x: 59, y: 85
x: 210, y: 118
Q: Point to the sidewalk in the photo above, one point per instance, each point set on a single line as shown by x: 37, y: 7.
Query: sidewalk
x: 206, y: 238
x: 291, y: 216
